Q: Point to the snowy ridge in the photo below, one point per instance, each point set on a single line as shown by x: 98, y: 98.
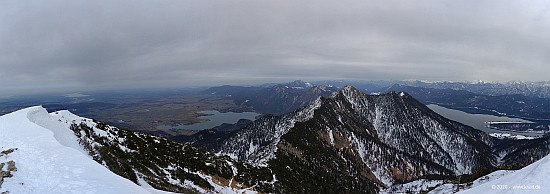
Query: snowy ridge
x: 533, y: 178
x: 266, y: 131
x: 48, y: 121
x: 93, y: 136
x: 47, y: 162
x: 60, y: 152
x: 444, y: 188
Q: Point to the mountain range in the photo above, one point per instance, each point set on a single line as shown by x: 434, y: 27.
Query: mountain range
x: 391, y: 139
x: 343, y: 142
x: 274, y: 99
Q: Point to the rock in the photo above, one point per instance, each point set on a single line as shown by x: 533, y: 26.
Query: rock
x: 8, y: 151
x: 4, y: 174
x: 2, y: 177
x: 11, y: 166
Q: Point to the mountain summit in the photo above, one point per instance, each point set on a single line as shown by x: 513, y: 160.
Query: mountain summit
x: 357, y: 142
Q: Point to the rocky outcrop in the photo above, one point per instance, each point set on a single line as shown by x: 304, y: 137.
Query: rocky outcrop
x: 10, y: 167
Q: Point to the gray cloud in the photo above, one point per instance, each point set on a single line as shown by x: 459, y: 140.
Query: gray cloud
x: 85, y: 45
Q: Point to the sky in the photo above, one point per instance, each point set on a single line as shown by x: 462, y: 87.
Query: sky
x: 76, y: 45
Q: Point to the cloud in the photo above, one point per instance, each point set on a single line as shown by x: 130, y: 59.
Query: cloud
x: 86, y: 45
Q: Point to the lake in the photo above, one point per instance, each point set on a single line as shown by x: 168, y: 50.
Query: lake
x: 478, y: 121
x: 215, y: 118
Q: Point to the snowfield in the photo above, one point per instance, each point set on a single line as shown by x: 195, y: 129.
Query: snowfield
x: 534, y: 178
x: 510, y: 136
x: 49, y: 159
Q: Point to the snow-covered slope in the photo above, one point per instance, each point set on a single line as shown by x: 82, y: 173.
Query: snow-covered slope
x: 450, y: 187
x: 49, y: 160
x: 534, y: 178
x: 258, y: 142
x: 60, y: 152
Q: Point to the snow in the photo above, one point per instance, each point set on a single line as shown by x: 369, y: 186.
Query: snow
x: 453, y: 188
x: 55, y: 123
x: 331, y: 136
x: 150, y: 188
x: 49, y: 160
x: 417, y: 186
x: 252, y: 148
x: 217, y: 188
x: 534, y: 178
x: 443, y: 189
x: 510, y: 136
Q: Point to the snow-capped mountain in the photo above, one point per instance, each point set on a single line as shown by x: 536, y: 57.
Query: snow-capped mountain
x: 532, y: 89
x: 60, y: 152
x: 356, y: 142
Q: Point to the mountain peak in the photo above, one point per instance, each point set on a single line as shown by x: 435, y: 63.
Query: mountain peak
x: 298, y: 84
x: 348, y: 88
x: 347, y: 91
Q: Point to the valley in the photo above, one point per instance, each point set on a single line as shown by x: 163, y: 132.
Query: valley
x: 143, y: 110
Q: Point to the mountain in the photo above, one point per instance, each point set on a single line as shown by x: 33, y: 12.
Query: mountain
x: 530, y: 89
x: 528, y: 107
x: 45, y: 159
x: 359, y: 143
x: 277, y: 99
x: 60, y: 152
x: 208, y: 137
x: 347, y: 142
x: 515, y: 154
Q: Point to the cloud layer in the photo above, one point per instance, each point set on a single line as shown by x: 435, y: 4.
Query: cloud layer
x: 72, y: 45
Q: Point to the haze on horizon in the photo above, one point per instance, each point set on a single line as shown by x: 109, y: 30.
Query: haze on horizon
x: 89, y: 45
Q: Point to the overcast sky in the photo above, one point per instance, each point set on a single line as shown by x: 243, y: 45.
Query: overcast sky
x: 85, y: 45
